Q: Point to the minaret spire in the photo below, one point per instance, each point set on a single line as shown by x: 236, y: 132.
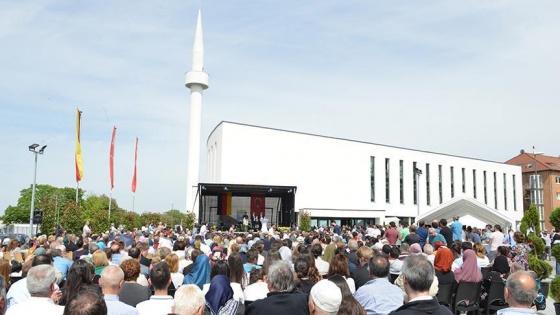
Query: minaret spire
x: 196, y: 80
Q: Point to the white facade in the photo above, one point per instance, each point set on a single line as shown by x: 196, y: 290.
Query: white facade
x: 333, y: 176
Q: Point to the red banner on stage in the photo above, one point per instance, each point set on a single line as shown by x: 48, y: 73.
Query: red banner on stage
x: 257, y: 204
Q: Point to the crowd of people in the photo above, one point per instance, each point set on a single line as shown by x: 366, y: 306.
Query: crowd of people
x: 393, y: 269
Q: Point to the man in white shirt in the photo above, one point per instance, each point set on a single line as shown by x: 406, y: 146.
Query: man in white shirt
x: 86, y: 231
x: 41, y: 284
x: 18, y: 292
x: 495, y: 240
x: 160, y: 302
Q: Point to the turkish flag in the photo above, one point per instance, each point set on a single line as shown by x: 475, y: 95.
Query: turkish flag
x: 257, y: 203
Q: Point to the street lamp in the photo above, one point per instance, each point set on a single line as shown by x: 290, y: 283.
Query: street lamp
x: 417, y: 173
x: 33, y: 148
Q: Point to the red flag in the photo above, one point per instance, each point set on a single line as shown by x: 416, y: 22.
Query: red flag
x: 111, y: 156
x: 257, y: 203
x: 134, y: 175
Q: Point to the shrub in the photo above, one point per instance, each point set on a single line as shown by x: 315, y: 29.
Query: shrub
x: 554, y: 218
x: 540, y: 267
x: 538, y: 245
x: 305, y: 221
x: 556, y: 252
x: 554, y: 291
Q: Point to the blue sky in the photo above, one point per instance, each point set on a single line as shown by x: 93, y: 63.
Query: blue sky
x: 469, y: 78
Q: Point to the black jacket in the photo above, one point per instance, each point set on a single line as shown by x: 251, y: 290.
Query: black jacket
x: 423, y: 307
x: 281, y: 303
x: 360, y: 276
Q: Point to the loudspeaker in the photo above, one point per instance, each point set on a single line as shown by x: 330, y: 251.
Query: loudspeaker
x: 38, y: 217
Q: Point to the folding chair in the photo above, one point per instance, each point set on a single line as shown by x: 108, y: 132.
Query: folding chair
x: 445, y: 294
x: 467, y: 297
x: 495, y: 300
x: 485, y: 271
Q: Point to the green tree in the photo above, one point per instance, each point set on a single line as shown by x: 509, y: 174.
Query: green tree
x: 130, y: 220
x: 554, y: 218
x: 531, y: 219
x: 305, y: 221
x: 52, y: 200
x: 96, y: 211
x: 147, y: 217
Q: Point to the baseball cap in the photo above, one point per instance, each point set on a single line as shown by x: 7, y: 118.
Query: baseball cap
x: 326, y: 295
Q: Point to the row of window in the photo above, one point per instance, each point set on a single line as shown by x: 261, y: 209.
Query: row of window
x: 416, y: 177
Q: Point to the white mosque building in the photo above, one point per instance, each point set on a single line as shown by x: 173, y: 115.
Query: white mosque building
x: 259, y: 171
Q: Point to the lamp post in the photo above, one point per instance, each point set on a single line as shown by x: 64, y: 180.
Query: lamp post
x: 33, y: 148
x: 417, y: 173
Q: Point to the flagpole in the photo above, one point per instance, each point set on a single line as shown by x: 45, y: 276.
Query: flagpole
x: 133, y: 195
x: 110, y: 201
x: 77, y: 189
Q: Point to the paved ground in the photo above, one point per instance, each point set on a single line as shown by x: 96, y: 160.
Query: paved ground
x: 549, y: 302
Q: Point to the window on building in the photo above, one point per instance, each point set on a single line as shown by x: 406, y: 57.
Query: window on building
x: 485, y: 190
x: 452, y: 171
x: 372, y: 177
x: 463, y: 179
x: 401, y: 180
x: 514, y: 194
x: 495, y: 191
x: 387, y: 182
x: 428, y: 184
x: 415, y: 183
x: 505, y: 192
x: 474, y: 183
x: 558, y: 196
x: 440, y: 185
x: 557, y: 179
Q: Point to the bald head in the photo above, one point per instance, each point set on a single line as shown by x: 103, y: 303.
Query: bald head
x: 521, y: 289
x: 111, y: 279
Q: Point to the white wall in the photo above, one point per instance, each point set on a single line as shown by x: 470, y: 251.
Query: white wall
x: 334, y: 174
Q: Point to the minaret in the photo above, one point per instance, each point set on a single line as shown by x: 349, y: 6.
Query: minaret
x: 196, y: 80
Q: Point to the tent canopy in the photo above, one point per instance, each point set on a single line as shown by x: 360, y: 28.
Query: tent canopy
x: 464, y: 205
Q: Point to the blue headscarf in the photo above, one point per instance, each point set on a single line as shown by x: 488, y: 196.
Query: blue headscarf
x: 200, y: 274
x: 219, y: 293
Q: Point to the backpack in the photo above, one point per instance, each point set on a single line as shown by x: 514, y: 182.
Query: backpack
x: 540, y: 301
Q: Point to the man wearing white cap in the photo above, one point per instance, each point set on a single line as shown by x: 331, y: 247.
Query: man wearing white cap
x: 325, y: 298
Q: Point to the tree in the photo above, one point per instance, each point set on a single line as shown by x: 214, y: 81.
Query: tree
x: 531, y: 219
x: 52, y: 200
x: 554, y: 218
x: 147, y: 217
x: 305, y: 221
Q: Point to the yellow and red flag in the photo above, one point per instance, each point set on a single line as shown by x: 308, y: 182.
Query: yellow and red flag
x: 111, y: 157
x: 78, y: 155
x: 134, y: 175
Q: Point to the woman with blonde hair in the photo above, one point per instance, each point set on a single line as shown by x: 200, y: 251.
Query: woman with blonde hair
x: 13, y: 249
x: 172, y: 261
x: 5, y: 270
x: 100, y: 261
x: 481, y: 258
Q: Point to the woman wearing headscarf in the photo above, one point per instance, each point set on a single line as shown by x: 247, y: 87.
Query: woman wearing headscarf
x: 219, y: 298
x: 469, y: 271
x: 442, y: 265
x: 200, y: 273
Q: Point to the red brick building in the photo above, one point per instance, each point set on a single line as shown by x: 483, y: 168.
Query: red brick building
x: 545, y: 190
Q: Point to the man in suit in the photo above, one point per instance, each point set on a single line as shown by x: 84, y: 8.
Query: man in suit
x: 418, y: 275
